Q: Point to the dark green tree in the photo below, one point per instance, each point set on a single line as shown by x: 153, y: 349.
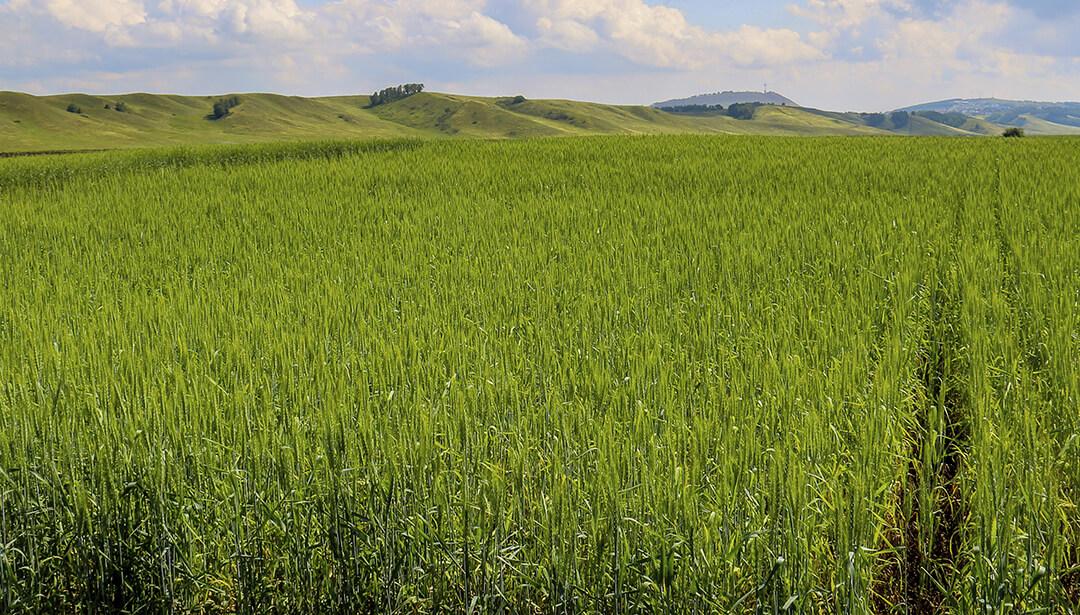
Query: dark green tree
x: 1015, y: 131
x: 742, y: 111
x: 73, y: 108
x: 900, y: 119
x: 875, y: 120
x: 692, y: 108
x: 222, y: 107
x: 398, y: 92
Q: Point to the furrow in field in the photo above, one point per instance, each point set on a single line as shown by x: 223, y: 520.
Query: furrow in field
x: 922, y: 545
x: 927, y: 540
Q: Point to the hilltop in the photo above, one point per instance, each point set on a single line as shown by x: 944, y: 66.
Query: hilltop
x: 729, y: 98
x: 80, y: 121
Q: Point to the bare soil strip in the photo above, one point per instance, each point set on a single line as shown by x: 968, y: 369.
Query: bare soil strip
x: 922, y: 560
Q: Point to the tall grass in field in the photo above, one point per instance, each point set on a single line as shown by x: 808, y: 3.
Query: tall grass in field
x: 682, y: 374
x: 1024, y: 308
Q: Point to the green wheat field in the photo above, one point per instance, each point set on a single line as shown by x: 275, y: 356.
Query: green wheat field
x: 686, y: 374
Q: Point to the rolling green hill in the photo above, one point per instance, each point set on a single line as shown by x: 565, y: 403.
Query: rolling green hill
x: 31, y: 123
x: 1036, y: 126
x: 1036, y: 118
x: 43, y: 123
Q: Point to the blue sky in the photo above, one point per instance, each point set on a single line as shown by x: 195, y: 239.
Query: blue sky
x: 838, y: 54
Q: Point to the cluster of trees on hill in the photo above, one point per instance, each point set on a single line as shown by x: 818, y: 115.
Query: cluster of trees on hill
x: 739, y: 111
x: 874, y: 120
x: 397, y: 92
x: 222, y: 107
x: 956, y: 120
x: 691, y: 108
x: 742, y: 111
x: 510, y: 102
x: 119, y: 106
x: 898, y: 119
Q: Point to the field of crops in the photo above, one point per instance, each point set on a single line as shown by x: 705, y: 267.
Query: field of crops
x: 609, y: 374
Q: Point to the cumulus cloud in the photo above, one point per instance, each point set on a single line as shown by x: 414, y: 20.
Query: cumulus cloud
x: 661, y: 36
x: 349, y: 25
x: 459, y: 27
x: 936, y: 45
x: 965, y: 35
x: 948, y: 40
x: 567, y: 35
x: 97, y: 15
x: 173, y: 22
x: 847, y: 14
x: 484, y: 40
x: 656, y: 36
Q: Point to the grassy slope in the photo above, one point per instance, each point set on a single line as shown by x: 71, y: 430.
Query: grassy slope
x: 789, y: 120
x: 924, y: 127
x: 1035, y: 126
x: 31, y: 123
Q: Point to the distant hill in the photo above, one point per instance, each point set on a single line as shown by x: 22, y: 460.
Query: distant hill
x: 988, y: 106
x: 82, y: 122
x: 727, y: 99
x: 43, y: 123
x: 1037, y: 118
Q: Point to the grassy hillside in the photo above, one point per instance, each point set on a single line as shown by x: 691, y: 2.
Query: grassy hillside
x: 30, y: 123
x: 981, y: 126
x: 1050, y: 118
x: 42, y: 123
x: 1036, y: 126
x: 789, y: 120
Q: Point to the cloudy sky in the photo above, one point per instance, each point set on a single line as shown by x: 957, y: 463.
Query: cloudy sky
x: 838, y: 54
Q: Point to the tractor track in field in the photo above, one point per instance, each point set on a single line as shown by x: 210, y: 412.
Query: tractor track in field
x: 923, y: 558
x: 926, y: 558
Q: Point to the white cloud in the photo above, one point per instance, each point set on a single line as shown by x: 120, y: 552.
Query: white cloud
x: 960, y: 35
x: 97, y: 15
x: 958, y: 49
x: 567, y: 35
x: 750, y: 46
x: 1020, y: 66
x: 278, y: 20
x: 486, y: 42
x: 846, y: 14
x: 660, y: 35
x: 458, y: 27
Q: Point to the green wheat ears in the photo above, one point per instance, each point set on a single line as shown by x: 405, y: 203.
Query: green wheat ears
x: 585, y: 375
